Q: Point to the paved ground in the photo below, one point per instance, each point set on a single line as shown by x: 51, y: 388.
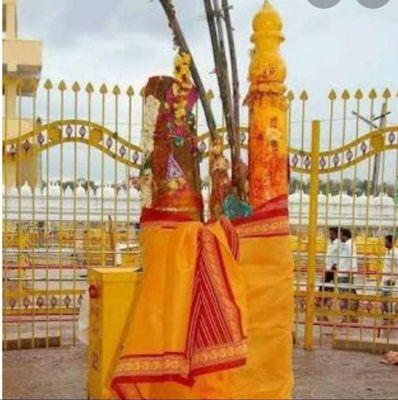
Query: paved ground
x: 323, y: 374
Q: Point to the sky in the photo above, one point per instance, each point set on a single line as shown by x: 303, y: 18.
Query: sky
x: 127, y: 41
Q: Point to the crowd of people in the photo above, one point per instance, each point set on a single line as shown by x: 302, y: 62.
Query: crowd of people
x: 341, y: 268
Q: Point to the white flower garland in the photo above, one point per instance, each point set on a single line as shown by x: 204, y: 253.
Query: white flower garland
x: 152, y: 105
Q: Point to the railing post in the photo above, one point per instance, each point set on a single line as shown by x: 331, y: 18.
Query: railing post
x: 312, y: 236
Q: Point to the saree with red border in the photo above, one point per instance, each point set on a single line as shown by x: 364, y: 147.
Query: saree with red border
x: 190, y: 317
x: 189, y: 337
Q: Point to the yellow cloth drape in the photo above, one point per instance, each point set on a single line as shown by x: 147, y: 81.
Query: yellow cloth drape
x: 262, y: 285
x: 267, y: 268
x: 154, y: 346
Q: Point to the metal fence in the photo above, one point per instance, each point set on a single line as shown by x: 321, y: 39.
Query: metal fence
x: 348, y: 165
x: 68, y: 205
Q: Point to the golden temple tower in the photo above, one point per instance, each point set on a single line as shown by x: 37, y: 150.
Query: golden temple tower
x: 22, y: 62
x: 268, y: 166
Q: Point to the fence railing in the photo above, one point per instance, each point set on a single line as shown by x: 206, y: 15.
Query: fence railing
x: 77, y: 209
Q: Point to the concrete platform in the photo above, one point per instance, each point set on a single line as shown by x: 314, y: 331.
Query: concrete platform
x: 29, y: 343
x: 60, y: 373
x: 376, y: 346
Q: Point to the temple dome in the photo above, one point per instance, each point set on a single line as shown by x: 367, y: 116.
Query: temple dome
x: 387, y: 200
x: 12, y: 191
x: 54, y: 189
x: 299, y: 196
x: 38, y: 191
x: 362, y: 200
x: 80, y: 191
x: 322, y: 198
x: 68, y: 192
x: 345, y: 198
x: 26, y: 190
x: 109, y: 191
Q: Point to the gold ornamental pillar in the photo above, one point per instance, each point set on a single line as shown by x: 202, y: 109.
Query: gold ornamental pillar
x: 268, y: 166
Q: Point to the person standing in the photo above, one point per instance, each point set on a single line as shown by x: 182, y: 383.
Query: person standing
x: 346, y: 270
x: 331, y: 260
x: 390, y: 270
x: 332, y: 255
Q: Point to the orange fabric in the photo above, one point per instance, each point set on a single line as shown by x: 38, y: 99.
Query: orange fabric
x: 266, y: 264
x: 267, y: 267
x: 268, y: 153
x: 190, y: 316
x: 262, y: 283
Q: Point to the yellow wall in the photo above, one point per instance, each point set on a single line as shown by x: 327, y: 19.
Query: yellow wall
x: 22, y: 62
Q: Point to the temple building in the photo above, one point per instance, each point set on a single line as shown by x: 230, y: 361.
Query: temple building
x: 22, y: 63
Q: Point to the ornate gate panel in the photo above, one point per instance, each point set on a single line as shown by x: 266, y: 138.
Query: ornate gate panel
x: 67, y: 205
x: 346, y: 180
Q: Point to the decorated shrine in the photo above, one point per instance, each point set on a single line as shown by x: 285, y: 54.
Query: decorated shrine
x: 175, y: 240
x: 195, y: 328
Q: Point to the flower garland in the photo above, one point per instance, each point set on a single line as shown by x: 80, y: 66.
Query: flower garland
x: 182, y: 87
x: 152, y: 105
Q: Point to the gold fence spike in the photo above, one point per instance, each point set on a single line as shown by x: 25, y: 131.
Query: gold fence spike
x: 290, y: 95
x: 332, y: 95
x: 373, y: 94
x: 62, y: 86
x: 76, y: 87
x: 89, y: 88
x: 35, y: 84
x: 345, y: 95
x: 304, y: 95
x: 116, y: 90
x: 103, y: 89
x: 48, y: 84
x: 142, y: 92
x: 209, y: 95
x: 359, y: 94
x: 130, y: 91
x: 386, y: 94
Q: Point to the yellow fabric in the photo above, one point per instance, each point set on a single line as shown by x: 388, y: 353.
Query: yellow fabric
x: 267, y: 267
x: 162, y: 260
x: 170, y: 253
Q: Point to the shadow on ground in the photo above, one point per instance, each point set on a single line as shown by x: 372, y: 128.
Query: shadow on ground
x: 322, y: 374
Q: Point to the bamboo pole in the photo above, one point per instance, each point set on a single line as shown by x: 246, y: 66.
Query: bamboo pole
x: 221, y: 67
x: 234, y: 73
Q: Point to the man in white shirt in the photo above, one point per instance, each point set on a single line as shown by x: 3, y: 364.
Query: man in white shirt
x: 348, y: 261
x: 346, y: 270
x: 332, y: 254
x: 331, y: 260
x: 390, y: 270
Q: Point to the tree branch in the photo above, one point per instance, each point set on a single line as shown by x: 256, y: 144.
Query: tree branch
x: 221, y: 65
x: 179, y: 40
x: 234, y: 70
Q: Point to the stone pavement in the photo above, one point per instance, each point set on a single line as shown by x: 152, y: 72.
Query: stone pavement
x: 60, y: 373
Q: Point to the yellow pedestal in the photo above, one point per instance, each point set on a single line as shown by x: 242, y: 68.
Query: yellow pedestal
x: 112, y: 294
